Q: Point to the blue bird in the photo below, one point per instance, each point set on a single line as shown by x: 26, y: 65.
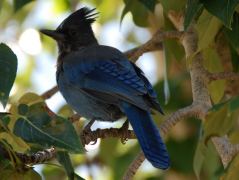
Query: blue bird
x: 99, y: 82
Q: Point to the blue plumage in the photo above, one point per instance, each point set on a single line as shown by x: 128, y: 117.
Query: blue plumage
x: 99, y: 82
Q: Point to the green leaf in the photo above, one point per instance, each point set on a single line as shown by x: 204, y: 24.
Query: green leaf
x: 234, y: 104
x: 64, y: 159
x: 44, y: 130
x: 213, y: 64
x: 223, y: 9
x: 8, y: 70
x: 207, y: 27
x: 150, y: 4
x: 219, y: 122
x: 138, y: 11
x: 233, y: 33
x: 199, y: 158
x: 65, y: 111
x: 22, y: 109
x: 193, y: 7
x: 15, y: 174
x: 175, y: 5
x: 16, y: 143
x: 30, y: 98
x: 18, y: 4
x: 232, y: 171
x: 234, y: 59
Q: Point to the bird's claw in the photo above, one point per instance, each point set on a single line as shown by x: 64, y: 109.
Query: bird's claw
x: 87, y: 133
x: 124, y: 132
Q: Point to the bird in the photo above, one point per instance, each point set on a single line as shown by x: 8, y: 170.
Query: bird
x: 100, y: 83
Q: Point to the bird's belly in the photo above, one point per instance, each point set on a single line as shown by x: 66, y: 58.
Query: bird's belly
x: 84, y: 104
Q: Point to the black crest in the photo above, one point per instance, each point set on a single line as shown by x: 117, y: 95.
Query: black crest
x: 83, y: 17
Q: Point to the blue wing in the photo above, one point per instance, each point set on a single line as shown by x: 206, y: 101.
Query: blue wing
x: 110, y: 77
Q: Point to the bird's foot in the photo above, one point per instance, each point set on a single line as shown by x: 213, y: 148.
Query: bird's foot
x: 87, y: 133
x: 124, y: 132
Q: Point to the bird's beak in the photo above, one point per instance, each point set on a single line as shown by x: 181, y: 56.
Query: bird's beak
x: 53, y: 34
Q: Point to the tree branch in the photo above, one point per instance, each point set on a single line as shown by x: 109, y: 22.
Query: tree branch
x: 225, y: 149
x: 153, y: 44
x: 223, y: 75
x: 49, y: 93
x: 89, y: 136
x: 35, y: 158
x: 38, y: 157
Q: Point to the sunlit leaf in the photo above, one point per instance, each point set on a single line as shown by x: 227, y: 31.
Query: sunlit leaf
x: 30, y: 98
x: 193, y: 7
x: 65, y: 111
x: 8, y: 69
x: 207, y: 27
x: 223, y: 9
x: 59, y: 6
x: 40, y: 128
x: 64, y: 159
x: 18, y: 4
x: 212, y: 63
x: 17, y: 143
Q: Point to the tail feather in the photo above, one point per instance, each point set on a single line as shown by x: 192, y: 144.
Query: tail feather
x: 148, y: 136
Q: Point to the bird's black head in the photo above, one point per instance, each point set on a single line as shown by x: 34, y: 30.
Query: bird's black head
x: 75, y: 31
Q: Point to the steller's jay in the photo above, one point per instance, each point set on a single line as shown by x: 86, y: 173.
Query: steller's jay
x: 99, y: 82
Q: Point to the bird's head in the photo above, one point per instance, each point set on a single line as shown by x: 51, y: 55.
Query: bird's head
x: 75, y: 31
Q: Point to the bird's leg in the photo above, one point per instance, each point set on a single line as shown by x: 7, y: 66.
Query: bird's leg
x: 124, y: 131
x: 86, y: 132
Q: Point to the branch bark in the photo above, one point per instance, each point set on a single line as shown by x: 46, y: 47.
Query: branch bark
x: 223, y: 75
x: 225, y: 149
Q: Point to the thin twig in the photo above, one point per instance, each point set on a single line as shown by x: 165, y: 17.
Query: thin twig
x: 48, y: 94
x: 35, y: 158
x: 90, y: 136
x: 154, y: 43
x: 38, y: 157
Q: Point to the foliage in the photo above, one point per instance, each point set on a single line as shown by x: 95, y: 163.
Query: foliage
x: 28, y: 125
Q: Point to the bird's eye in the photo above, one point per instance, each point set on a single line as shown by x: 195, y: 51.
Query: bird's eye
x: 73, y: 33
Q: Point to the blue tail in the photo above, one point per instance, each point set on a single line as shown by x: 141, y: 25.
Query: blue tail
x: 148, y: 136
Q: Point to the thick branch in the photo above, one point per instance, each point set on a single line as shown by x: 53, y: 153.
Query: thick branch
x: 225, y: 149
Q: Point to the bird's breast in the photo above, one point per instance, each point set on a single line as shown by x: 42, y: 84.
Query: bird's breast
x: 84, y: 104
